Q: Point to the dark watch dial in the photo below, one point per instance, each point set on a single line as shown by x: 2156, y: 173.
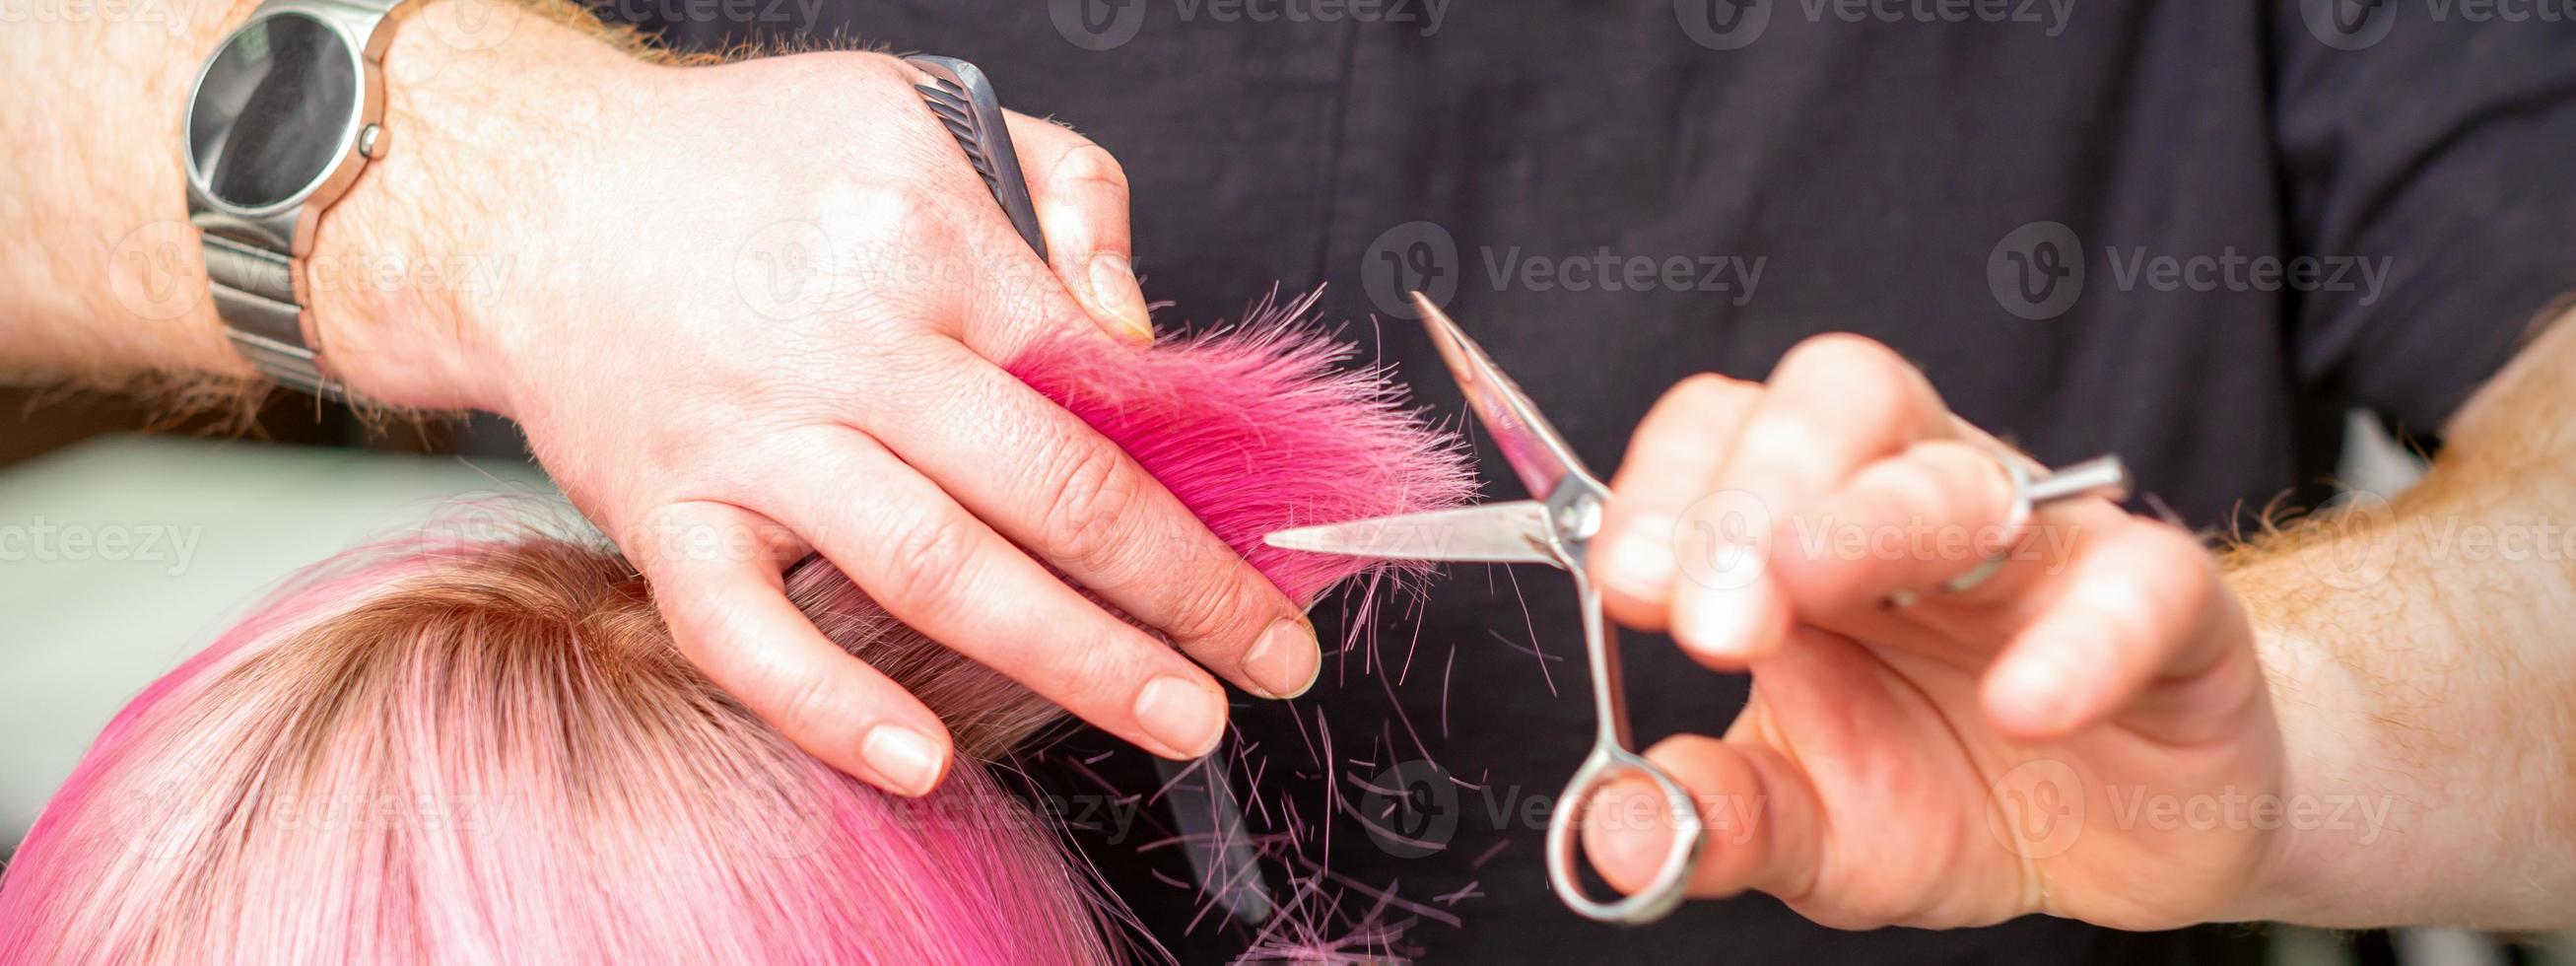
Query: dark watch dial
x: 272, y: 111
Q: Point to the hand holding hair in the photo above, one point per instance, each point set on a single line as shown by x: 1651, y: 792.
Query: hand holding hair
x: 807, y: 350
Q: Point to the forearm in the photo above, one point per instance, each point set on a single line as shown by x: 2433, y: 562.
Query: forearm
x: 2419, y: 655
x: 99, y: 272
x: 101, y: 277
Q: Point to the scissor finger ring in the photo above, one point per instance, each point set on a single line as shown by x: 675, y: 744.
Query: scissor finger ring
x: 2104, y: 476
x: 1672, y: 877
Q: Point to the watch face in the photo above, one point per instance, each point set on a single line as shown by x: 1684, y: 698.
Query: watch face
x: 272, y: 111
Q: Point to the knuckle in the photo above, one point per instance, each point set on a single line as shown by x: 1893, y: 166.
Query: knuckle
x: 1911, y: 492
x: 1868, y: 907
x: 910, y: 212
x: 1783, y: 435
x: 937, y: 389
x: 807, y: 703
x: 647, y: 541
x: 1091, y: 491
x: 1918, y: 903
x: 2180, y: 576
x: 1685, y: 424
x: 1843, y: 352
x: 1094, y: 676
x: 2146, y: 590
x: 1216, y: 604
x: 699, y: 627
x: 1860, y: 376
x: 1961, y: 479
x: 914, y: 198
x: 1703, y: 392
x: 923, y: 565
x: 1827, y: 580
x: 1090, y: 164
x: 863, y: 207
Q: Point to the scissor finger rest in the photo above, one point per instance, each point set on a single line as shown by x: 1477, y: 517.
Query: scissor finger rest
x: 1564, y: 849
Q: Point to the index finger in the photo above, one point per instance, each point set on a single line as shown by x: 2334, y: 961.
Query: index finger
x: 1072, y: 497
x: 729, y: 614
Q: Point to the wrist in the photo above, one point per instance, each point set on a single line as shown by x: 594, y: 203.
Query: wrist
x: 2373, y: 806
x: 416, y: 274
x: 2309, y: 862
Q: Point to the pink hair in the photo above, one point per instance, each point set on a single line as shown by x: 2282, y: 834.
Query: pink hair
x: 1258, y: 429
x: 489, y: 751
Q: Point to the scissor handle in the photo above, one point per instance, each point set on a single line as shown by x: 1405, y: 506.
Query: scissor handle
x: 1662, y: 893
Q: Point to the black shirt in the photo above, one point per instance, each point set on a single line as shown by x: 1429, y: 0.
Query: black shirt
x: 2193, y: 233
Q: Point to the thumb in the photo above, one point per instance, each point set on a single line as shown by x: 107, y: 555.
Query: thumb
x: 1760, y: 812
x: 1081, y: 197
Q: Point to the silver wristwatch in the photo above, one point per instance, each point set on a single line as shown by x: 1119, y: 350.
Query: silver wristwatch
x: 282, y: 118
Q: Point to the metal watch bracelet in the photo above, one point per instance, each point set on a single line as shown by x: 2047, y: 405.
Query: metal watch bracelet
x: 254, y: 292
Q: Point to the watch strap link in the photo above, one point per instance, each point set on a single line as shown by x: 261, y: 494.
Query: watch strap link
x: 254, y: 291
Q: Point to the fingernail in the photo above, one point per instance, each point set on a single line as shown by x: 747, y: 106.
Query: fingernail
x: 1115, y: 293
x: 1724, y: 622
x: 1185, y: 717
x: 906, y: 757
x: 1284, y: 663
x: 1641, y: 563
x: 2041, y: 686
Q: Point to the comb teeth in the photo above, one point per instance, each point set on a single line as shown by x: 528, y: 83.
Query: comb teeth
x: 948, y: 102
x: 963, y: 101
x: 944, y: 96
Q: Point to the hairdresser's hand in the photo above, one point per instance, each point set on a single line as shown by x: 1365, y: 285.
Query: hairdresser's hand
x: 2085, y: 734
x: 759, y: 310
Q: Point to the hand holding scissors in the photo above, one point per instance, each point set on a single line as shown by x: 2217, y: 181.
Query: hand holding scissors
x: 1862, y: 762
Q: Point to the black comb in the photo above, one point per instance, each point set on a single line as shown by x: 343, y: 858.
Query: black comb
x: 963, y: 99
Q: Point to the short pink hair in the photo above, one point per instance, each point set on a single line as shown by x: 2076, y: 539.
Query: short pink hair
x: 489, y: 751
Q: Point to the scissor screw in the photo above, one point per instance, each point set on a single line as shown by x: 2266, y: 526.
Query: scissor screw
x: 1579, y: 519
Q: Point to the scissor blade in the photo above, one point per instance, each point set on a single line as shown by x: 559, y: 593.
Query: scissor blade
x: 1533, y: 448
x: 1515, y: 532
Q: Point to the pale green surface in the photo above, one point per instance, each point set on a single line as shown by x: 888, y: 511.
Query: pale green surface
x: 81, y: 633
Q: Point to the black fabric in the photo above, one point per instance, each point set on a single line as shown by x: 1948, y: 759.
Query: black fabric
x: 1877, y: 170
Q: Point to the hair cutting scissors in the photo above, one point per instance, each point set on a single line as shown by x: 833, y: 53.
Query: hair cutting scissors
x: 1556, y: 528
